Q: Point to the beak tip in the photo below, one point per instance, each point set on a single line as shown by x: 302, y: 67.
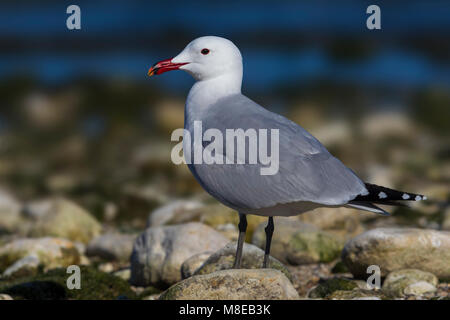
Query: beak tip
x: 164, y: 66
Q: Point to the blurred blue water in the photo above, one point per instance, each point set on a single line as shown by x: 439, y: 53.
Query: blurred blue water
x: 132, y: 23
x: 43, y: 17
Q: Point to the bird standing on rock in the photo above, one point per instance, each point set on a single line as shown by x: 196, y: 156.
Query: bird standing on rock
x: 307, y: 175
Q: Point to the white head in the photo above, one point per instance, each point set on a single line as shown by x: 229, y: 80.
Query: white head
x: 205, y: 58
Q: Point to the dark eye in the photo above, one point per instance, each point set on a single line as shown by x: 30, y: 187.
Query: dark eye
x: 205, y: 51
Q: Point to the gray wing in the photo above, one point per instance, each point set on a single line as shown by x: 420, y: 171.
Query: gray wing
x: 307, y: 171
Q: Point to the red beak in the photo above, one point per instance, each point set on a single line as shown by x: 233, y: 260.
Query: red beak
x: 164, y: 66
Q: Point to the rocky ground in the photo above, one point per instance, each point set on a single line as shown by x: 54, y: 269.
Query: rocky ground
x: 314, y: 256
x: 142, y: 228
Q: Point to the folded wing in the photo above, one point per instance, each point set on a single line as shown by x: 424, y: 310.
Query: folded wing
x: 307, y: 171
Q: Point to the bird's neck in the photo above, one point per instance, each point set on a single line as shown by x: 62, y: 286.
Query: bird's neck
x: 207, y: 92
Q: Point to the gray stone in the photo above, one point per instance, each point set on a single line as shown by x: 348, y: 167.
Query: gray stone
x: 242, y: 284
x: 107, y: 267
x: 344, y: 223
x: 187, y: 209
x: 358, y: 294
x: 327, y: 287
x: 299, y: 243
x: 51, y: 252
x: 37, y: 209
x: 367, y: 298
x: 159, y: 252
x: 113, y: 246
x: 214, y: 215
x: 24, y: 266
x: 8, y: 201
x: 152, y: 297
x: 252, y: 258
x: 229, y: 230
x: 125, y: 273
x: 10, y: 216
x: 399, y: 248
x: 419, y: 288
x: 59, y: 217
x: 189, y: 267
x: 410, y: 282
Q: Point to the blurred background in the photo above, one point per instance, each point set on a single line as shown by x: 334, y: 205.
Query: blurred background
x: 79, y: 117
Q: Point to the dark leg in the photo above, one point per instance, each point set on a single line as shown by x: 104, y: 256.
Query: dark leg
x: 242, y: 228
x: 269, y: 232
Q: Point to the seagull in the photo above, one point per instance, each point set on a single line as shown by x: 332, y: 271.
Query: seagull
x: 308, y: 176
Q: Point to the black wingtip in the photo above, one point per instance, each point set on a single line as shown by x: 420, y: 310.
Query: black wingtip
x: 383, y: 195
